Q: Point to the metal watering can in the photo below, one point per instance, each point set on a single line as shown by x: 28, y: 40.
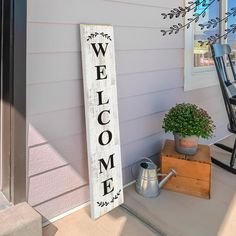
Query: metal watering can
x: 147, y: 183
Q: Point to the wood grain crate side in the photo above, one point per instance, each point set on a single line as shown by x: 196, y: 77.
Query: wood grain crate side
x: 169, y: 150
x: 202, y: 155
x: 187, y: 168
x: 194, y: 187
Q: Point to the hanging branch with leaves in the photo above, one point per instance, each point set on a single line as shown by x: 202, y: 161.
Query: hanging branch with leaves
x: 193, y: 6
x: 180, y: 11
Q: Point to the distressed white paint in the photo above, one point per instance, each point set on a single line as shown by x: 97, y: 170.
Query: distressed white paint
x: 96, y: 80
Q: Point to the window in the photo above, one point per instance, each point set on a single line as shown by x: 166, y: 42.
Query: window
x: 199, y: 67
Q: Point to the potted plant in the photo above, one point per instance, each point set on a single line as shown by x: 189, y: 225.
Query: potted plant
x: 188, y: 122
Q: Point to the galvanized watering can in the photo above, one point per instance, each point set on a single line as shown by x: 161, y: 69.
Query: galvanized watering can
x: 147, y: 183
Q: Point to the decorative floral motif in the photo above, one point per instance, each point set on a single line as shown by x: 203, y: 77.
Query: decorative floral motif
x: 106, y: 36
x: 94, y: 35
x: 102, y: 204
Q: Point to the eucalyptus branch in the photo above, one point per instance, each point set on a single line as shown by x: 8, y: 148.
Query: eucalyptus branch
x: 180, y: 11
x: 214, y: 22
x: 176, y: 28
x: 212, y: 39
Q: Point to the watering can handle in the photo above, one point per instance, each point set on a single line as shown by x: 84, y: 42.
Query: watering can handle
x: 144, y: 158
x: 148, y: 159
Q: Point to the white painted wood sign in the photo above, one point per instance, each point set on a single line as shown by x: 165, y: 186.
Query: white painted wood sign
x: 102, y: 124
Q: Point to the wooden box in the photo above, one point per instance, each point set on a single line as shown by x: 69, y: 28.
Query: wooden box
x: 193, y: 172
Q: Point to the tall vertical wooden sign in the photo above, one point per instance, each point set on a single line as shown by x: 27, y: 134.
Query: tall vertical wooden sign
x: 102, y: 124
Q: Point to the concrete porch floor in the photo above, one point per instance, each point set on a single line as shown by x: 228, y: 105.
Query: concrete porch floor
x: 173, y: 213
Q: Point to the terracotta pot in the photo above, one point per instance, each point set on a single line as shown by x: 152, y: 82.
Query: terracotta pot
x: 186, y: 145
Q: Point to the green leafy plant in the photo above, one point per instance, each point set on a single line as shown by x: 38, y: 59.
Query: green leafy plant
x: 187, y: 119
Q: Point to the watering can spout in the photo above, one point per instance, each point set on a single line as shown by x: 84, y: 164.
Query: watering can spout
x: 167, y: 177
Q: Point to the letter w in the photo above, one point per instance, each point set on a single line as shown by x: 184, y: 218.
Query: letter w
x: 105, y: 165
x: 101, y: 48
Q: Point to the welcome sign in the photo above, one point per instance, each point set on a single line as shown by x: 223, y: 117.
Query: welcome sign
x: 102, y: 124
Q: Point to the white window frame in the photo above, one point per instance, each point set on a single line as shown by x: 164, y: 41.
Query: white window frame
x: 198, y: 77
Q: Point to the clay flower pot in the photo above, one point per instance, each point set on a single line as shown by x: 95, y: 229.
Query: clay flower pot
x: 186, y: 145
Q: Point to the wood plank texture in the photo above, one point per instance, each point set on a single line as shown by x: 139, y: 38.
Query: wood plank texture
x: 64, y: 123
x: 184, y: 168
x: 56, y: 182
x: 72, y: 96
x: 150, y: 102
x: 193, y: 187
x: 67, y: 66
x: 61, y: 204
x: 70, y: 150
x: 152, y: 3
x: 55, y: 38
x: 101, y: 12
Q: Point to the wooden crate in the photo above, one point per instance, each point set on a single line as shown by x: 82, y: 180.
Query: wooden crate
x: 193, y: 172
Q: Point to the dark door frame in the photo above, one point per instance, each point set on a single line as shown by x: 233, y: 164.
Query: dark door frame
x: 13, y: 98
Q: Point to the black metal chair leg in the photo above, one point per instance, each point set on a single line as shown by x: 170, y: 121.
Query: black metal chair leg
x: 224, y: 147
x: 224, y: 166
x: 233, y: 156
x: 230, y: 167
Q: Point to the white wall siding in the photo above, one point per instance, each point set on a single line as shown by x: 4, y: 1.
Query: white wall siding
x: 149, y: 80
